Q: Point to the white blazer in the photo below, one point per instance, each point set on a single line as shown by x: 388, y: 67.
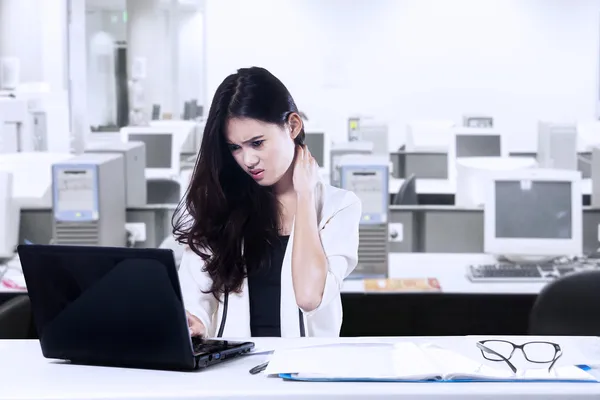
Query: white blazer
x: 339, y: 212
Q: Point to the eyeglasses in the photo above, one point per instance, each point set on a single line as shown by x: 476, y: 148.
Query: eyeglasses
x: 535, y: 352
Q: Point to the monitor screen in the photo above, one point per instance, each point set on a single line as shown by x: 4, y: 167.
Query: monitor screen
x: 159, y: 148
x: 316, y: 145
x: 533, y: 210
x: 478, y: 146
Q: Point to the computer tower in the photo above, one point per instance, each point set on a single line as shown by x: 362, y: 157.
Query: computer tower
x: 368, y: 178
x: 134, y: 154
x: 89, y: 201
x: 557, y: 146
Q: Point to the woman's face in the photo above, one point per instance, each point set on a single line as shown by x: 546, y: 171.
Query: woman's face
x: 264, y: 151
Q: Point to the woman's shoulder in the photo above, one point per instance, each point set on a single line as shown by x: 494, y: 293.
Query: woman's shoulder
x: 335, y: 197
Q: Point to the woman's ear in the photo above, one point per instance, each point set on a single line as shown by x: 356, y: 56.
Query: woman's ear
x: 295, y: 124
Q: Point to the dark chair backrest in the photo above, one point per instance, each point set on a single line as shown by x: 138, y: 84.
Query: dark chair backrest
x: 15, y: 318
x: 407, y: 194
x: 568, y: 306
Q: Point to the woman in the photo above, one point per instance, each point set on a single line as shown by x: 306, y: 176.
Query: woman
x: 267, y: 245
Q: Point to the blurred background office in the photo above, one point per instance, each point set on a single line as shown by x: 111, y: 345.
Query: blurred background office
x: 469, y: 129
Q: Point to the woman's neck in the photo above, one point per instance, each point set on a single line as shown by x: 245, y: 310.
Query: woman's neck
x: 285, y: 186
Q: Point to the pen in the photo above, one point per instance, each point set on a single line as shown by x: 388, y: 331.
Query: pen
x: 259, y: 368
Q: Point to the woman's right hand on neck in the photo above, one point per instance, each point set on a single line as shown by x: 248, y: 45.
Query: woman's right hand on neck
x: 196, y: 326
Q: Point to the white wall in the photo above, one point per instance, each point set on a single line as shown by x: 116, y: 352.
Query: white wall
x: 191, y: 67
x: 403, y: 60
x: 21, y: 36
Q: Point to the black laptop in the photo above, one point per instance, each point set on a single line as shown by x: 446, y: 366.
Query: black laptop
x: 114, y: 307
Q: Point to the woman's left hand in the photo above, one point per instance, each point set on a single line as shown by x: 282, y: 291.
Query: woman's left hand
x: 306, y: 171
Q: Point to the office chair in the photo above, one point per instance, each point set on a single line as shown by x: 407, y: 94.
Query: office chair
x: 568, y: 306
x: 407, y: 194
x: 15, y: 318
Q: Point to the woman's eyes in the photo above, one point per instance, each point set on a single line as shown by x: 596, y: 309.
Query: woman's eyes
x: 256, y: 144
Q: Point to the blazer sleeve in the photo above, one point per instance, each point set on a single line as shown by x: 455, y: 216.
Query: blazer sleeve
x: 194, y: 282
x: 339, y: 238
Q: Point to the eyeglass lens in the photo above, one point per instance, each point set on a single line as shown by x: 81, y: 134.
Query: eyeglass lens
x: 537, y: 352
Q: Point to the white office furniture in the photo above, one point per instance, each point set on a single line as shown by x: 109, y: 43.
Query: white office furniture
x: 533, y: 213
x: 367, y: 177
x: 89, y: 201
x: 557, y: 145
x: 9, y: 217
x: 472, y: 173
x: 32, y: 177
x: 18, y: 125
x: 163, y: 148
x: 22, y: 363
x: 428, y: 135
x: 468, y: 142
x: 134, y: 156
x: 588, y: 135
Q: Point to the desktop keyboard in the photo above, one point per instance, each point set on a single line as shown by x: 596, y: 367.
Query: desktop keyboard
x: 507, y: 272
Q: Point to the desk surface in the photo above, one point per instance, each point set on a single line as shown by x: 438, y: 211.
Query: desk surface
x: 451, y: 272
x: 446, y: 187
x: 27, y: 375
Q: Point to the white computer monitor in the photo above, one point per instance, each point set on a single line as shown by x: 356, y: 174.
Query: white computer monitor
x: 376, y: 133
x: 193, y: 131
x: 315, y: 141
x: 428, y: 135
x: 466, y: 142
x: 533, y: 214
x: 163, y: 144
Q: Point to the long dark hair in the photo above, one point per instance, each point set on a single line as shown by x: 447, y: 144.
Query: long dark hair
x: 225, y: 217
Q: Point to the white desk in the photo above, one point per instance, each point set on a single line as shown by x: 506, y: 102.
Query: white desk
x: 446, y: 187
x: 450, y: 270
x: 27, y: 375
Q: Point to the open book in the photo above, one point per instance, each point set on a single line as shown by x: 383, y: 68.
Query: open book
x: 403, y: 361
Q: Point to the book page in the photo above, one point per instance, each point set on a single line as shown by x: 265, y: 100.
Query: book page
x: 455, y: 366
x: 354, y: 361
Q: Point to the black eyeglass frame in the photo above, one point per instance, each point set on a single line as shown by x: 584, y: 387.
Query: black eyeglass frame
x: 484, y: 349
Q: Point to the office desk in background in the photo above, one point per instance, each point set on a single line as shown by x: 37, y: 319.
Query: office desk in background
x: 461, y: 308
x: 27, y: 375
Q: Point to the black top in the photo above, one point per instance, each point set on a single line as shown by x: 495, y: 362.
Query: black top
x: 265, y: 294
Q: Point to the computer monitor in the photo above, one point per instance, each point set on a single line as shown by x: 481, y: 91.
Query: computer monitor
x: 428, y: 135
x: 340, y: 149
x: 163, y: 144
x: 315, y: 141
x: 557, y: 145
x: 474, y: 142
x: 533, y: 214
x: 9, y: 217
x: 378, y: 135
x: 191, y: 132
